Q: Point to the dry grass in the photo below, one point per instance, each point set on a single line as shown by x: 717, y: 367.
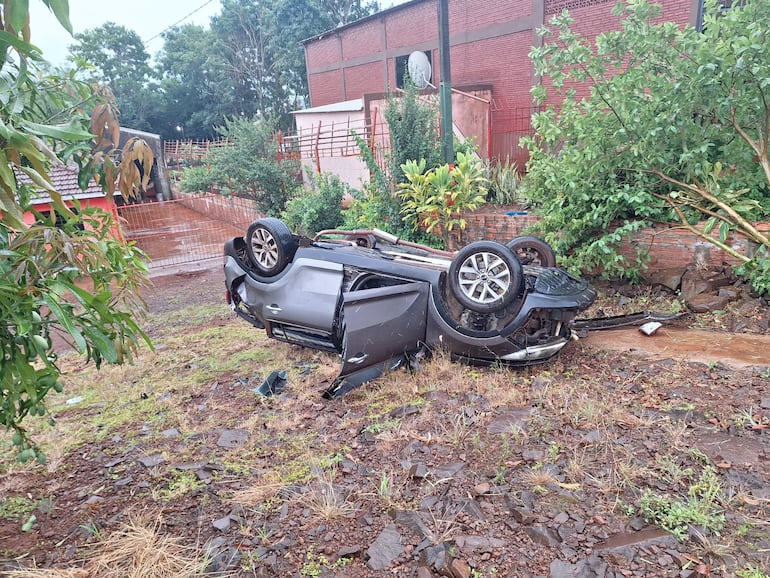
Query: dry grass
x: 326, y: 500
x: 139, y: 549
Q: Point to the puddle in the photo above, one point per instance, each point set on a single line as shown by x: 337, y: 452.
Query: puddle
x: 735, y: 350
x: 171, y: 233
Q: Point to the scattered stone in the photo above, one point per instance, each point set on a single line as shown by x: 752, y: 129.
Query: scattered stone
x: 482, y: 488
x: 385, y: 549
x: 592, y: 567
x: 668, y: 278
x: 412, y: 521
x: 424, y: 572
x: 231, y: 438
x: 404, y: 411
x: 543, y: 536
x: 511, y: 419
x: 171, y: 433
x: 222, y: 524
x: 704, y: 302
x: 765, y: 403
x: 697, y: 281
x: 151, y: 461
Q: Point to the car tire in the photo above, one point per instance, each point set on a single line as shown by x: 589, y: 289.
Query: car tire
x: 532, y: 251
x: 270, y: 246
x: 485, y: 276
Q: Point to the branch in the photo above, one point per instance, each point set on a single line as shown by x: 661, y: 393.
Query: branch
x: 705, y: 236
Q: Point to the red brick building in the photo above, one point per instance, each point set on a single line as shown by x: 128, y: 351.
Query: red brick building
x: 489, y: 45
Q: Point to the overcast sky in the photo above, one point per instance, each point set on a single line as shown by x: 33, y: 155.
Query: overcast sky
x: 148, y: 18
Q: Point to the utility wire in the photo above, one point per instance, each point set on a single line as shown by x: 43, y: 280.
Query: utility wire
x: 169, y: 27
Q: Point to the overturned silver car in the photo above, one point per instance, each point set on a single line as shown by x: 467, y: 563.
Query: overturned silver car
x: 381, y: 302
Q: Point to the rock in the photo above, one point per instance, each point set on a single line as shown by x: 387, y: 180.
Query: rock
x: 404, y: 411
x: 222, y: 524
x: 171, y: 433
x: 231, y: 438
x: 385, y: 549
x: 704, y: 302
x: 481, y: 543
x: 592, y: 567
x: 151, y: 461
x: 412, y: 521
x: 669, y: 278
x: 511, y: 419
x: 696, y: 281
x: 765, y: 403
x: 482, y: 488
x: 423, y: 572
x: 543, y: 536
x: 459, y: 569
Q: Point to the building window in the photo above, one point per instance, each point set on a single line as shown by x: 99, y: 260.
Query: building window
x: 402, y: 72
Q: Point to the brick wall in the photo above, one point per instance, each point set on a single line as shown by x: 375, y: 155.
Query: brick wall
x: 669, y: 247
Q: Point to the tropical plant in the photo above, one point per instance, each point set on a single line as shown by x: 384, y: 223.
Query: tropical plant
x: 676, y: 128
x: 438, y: 198
x: 413, y: 127
x: 68, y: 274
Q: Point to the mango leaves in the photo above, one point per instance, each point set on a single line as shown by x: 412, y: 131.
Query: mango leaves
x: 66, y: 276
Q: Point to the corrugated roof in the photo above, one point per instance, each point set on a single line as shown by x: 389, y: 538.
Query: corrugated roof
x: 65, y: 181
x: 344, y: 106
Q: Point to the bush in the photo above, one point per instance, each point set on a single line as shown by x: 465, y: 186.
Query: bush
x: 317, y: 209
x: 660, y: 138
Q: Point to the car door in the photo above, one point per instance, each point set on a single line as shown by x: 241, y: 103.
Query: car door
x: 382, y: 323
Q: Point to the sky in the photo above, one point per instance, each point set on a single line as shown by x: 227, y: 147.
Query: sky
x: 148, y: 18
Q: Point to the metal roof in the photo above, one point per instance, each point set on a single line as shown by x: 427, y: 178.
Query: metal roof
x: 64, y: 179
x: 344, y: 106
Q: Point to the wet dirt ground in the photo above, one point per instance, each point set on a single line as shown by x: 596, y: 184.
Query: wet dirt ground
x: 172, y: 234
x: 465, y: 495
x: 687, y: 344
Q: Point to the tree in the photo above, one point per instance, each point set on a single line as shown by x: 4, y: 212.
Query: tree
x: 676, y: 128
x: 116, y: 57
x: 195, y: 84
x: 248, y: 167
x: 72, y: 277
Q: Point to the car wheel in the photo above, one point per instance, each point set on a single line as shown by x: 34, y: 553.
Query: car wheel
x: 270, y: 246
x: 485, y: 276
x: 532, y: 251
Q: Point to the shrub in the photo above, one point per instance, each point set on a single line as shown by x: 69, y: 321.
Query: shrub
x: 318, y: 209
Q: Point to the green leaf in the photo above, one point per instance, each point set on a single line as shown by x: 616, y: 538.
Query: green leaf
x: 17, y: 14
x: 67, y: 132
x: 61, y: 10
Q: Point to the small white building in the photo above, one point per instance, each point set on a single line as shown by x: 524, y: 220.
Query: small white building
x: 325, y: 141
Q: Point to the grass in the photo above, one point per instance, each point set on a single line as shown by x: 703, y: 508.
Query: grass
x: 138, y: 549
x: 570, y: 441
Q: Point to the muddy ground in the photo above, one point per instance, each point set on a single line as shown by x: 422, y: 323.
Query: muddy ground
x: 564, y: 470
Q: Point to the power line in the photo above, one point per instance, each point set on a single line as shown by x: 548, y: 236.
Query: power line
x: 169, y: 27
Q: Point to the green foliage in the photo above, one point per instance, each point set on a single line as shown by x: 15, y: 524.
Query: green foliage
x: 76, y: 279
x: 504, y: 181
x: 318, y: 209
x: 248, y: 167
x: 648, y: 143
x: 197, y: 179
x: 413, y: 130
x: 701, y: 508
x: 116, y: 57
x: 438, y: 198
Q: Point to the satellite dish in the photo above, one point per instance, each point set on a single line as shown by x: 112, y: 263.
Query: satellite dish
x: 419, y: 69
